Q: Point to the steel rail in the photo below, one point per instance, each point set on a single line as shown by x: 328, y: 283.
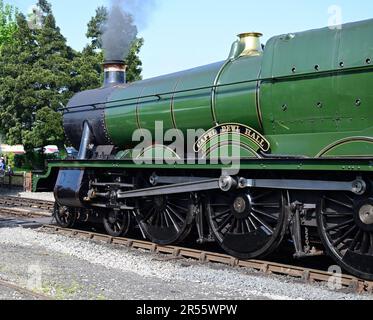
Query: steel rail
x: 23, y: 290
x: 26, y: 202
x: 22, y: 212
x: 310, y: 276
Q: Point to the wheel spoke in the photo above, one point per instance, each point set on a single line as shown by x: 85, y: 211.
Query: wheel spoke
x: 253, y: 224
x: 166, y: 218
x: 336, y: 215
x: 371, y: 245
x: 261, y: 196
x: 178, y: 207
x: 225, y: 223
x: 339, y: 203
x: 339, y: 226
x: 233, y: 226
x: 355, y: 241
x: 161, y: 218
x: 149, y: 214
x: 222, y: 214
x: 238, y: 227
x: 118, y: 226
x: 365, y: 243
x: 157, y: 217
x: 176, y: 214
x: 173, y: 222
x: 267, y: 205
x: 242, y: 226
x: 264, y: 224
x: 247, y: 225
x: 349, y: 198
x: 265, y: 214
x: 337, y: 242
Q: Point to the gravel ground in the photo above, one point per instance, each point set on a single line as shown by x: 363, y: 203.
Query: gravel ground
x: 67, y: 268
x: 47, y: 196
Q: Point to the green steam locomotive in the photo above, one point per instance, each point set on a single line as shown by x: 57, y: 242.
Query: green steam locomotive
x: 274, y: 143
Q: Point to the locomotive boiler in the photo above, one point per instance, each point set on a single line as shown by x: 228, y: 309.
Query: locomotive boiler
x: 294, y: 117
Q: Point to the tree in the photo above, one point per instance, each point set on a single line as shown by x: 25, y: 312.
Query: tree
x: 95, y: 25
x: 16, y: 61
x: 94, y: 33
x: 47, y: 130
x: 8, y: 23
x: 133, y: 61
x: 39, y: 73
x: 35, y: 72
x: 87, y: 71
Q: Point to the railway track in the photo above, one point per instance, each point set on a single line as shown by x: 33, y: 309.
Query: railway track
x: 23, y: 207
x: 26, y: 203
x: 305, y: 275
x: 23, y: 291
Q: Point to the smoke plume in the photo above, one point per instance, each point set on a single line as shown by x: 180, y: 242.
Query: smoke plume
x: 126, y: 18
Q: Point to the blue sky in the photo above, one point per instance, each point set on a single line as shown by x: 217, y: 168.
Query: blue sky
x: 186, y: 33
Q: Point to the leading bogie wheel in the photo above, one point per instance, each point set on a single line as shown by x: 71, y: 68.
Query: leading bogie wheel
x: 249, y: 224
x: 65, y: 217
x: 346, y: 228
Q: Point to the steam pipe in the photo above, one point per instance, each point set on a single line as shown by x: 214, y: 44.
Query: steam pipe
x: 86, y: 140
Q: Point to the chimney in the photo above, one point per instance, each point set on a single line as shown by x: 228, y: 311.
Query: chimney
x: 251, y: 44
x: 114, y: 73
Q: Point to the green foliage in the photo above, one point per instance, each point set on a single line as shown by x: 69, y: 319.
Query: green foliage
x: 10, y: 158
x: 47, y: 129
x: 32, y: 160
x: 95, y: 26
x: 39, y: 73
x: 8, y: 23
x: 88, y: 71
x: 35, y: 72
x: 133, y: 61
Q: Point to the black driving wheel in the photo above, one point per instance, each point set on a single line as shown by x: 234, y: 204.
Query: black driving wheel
x: 346, y: 228
x: 166, y: 219
x: 249, y: 224
x: 117, y: 223
x: 65, y: 217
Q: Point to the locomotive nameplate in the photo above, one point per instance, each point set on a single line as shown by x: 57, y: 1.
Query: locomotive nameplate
x: 237, y: 129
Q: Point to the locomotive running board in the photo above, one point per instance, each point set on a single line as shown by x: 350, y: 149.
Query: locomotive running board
x: 229, y: 183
